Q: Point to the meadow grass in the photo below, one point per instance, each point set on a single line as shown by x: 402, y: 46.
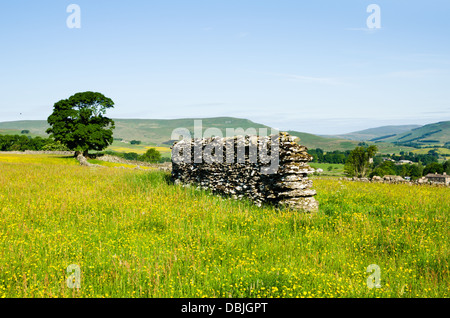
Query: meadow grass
x: 133, y: 234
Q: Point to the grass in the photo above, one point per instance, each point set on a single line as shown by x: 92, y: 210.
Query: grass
x: 337, y: 170
x: 116, y: 165
x: 133, y: 234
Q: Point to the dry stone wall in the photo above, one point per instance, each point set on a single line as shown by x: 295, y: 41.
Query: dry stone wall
x: 266, y: 169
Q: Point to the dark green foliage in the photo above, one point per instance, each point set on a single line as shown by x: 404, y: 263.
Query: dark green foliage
x: 336, y: 156
x: 25, y: 132
x: 79, y: 122
x: 446, y: 166
x: 22, y: 143
x: 131, y: 156
x: 431, y: 156
x: 390, y: 168
x: 135, y: 142
x: 152, y: 155
x: 433, y: 167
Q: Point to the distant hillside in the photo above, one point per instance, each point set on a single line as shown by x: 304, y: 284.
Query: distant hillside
x: 153, y: 131
x: 36, y: 127
x: 159, y: 131
x: 326, y: 143
x: 377, y: 134
x: 437, y: 134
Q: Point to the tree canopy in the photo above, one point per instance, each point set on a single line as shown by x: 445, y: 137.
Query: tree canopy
x: 79, y: 122
x: 151, y: 155
x: 358, y: 162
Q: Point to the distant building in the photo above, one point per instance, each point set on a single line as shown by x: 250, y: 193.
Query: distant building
x: 439, y: 178
x: 404, y: 162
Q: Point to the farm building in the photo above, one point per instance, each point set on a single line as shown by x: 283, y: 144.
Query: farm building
x: 404, y: 162
x: 440, y: 178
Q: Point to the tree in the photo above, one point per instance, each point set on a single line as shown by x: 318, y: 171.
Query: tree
x: 415, y: 171
x: 358, y: 162
x: 385, y: 168
x: 446, y: 166
x: 79, y: 122
x: 131, y: 156
x: 152, y: 155
x: 433, y: 167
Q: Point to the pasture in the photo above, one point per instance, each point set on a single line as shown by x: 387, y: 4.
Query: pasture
x: 134, y: 234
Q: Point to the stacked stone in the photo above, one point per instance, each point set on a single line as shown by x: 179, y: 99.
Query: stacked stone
x: 273, y: 169
x: 293, y: 183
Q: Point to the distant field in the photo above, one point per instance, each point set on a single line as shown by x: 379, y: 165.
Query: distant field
x: 133, y: 234
x: 9, y: 132
x: 140, y: 149
x: 388, y: 148
x: 442, y: 151
x: 337, y: 169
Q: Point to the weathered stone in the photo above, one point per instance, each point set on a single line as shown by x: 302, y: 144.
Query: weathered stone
x: 266, y: 169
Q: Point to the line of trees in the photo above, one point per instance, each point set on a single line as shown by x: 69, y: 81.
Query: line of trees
x: 22, y: 143
x: 362, y: 162
x: 425, y: 159
x: 336, y: 156
x: 320, y: 156
x: 414, y: 171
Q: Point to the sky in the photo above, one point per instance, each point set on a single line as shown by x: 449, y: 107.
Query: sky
x: 310, y: 66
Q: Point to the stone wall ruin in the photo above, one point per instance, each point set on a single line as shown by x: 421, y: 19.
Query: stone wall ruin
x: 266, y: 169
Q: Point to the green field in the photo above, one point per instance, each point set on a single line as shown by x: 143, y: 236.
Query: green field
x: 133, y: 234
x: 139, y: 149
x: 337, y: 170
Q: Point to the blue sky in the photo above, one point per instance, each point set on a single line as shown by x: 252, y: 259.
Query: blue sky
x: 312, y: 66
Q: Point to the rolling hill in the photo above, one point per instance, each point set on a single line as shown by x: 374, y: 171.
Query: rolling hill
x: 436, y: 134
x: 378, y: 133
x: 158, y: 132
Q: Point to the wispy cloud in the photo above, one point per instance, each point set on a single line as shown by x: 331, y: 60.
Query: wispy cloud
x: 415, y: 73
x: 366, y: 30
x: 315, y: 80
x: 207, y: 104
x: 243, y: 34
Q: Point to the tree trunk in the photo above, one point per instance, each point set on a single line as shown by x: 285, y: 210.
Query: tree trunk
x: 83, y: 161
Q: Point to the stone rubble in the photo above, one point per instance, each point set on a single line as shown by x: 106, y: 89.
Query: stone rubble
x: 395, y: 180
x: 259, y: 175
